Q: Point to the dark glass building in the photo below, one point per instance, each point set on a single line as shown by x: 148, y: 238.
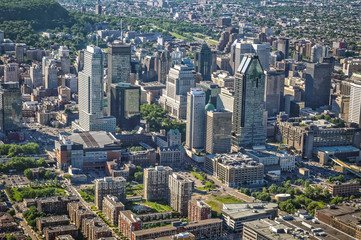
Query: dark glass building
x: 203, y: 61
x: 10, y: 107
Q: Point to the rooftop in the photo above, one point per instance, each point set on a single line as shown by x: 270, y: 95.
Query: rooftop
x: 270, y: 229
x: 94, y: 139
x: 243, y: 210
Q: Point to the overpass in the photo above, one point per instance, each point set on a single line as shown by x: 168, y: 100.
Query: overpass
x: 342, y: 164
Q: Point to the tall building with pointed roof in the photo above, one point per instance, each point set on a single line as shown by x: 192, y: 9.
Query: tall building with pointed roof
x: 203, y: 61
x: 248, y: 112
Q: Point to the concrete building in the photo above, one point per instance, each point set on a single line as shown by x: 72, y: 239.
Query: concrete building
x: 109, y: 186
x: 51, y: 221
x: 218, y: 130
x: 318, y: 83
x: 51, y: 75
x: 198, y: 210
x: 305, y: 139
x: 180, y: 193
x: 10, y: 107
x: 354, y: 115
x: 341, y: 106
x: 203, y: 61
x: 248, y: 112
x: 351, y: 65
x: 283, y: 45
x: 236, y: 214
x: 129, y: 223
x: 316, y: 53
x: 156, y: 181
x: 119, y: 56
x: 251, y: 47
x: 235, y: 170
x: 86, y: 150
x: 19, y: 52
x: 195, y: 119
x: 266, y: 229
x: 344, y: 218
x: 344, y: 189
x: 223, y: 79
x: 54, y: 205
x: 36, y: 76
x: 91, y: 106
x: 164, y: 63
x: 11, y: 72
x: 77, y: 212
x: 111, y: 208
x: 52, y: 232
x: 171, y: 156
x: 211, y: 90
x: 95, y: 228
x: 125, y: 105
x: 274, y: 88
x: 225, y: 100
x: 174, y: 98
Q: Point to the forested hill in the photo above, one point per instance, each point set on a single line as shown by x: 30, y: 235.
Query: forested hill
x: 41, y: 13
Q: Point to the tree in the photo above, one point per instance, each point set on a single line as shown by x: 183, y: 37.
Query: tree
x: 273, y: 189
x: 138, y: 176
x: 67, y: 176
x: 28, y: 174
x: 10, y: 236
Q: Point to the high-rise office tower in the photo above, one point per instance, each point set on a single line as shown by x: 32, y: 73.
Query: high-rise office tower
x: 195, y: 118
x: 91, y: 94
x: 211, y: 90
x: 11, y: 72
x: 248, y: 108
x: 318, y: 83
x: 354, y: 115
x: 274, y: 82
x: 174, y: 98
x: 10, y: 106
x: 316, y: 53
x: 247, y: 47
x: 119, y: 56
x: 19, y: 52
x: 36, y: 75
x: 98, y: 9
x: 156, y: 183
x: 218, y: 130
x: 109, y: 186
x: 203, y: 61
x: 51, y: 76
x: 64, y: 59
x: 125, y: 104
x: 180, y: 189
x: 283, y: 45
x: 164, y: 63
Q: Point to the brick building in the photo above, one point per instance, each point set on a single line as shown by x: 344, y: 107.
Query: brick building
x: 77, y: 212
x: 198, y: 210
x: 54, y: 205
x: 344, y: 189
x: 52, y: 221
x: 52, y: 232
x: 111, y: 208
x: 109, y: 186
x: 128, y: 223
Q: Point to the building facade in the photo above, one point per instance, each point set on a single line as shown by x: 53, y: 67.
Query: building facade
x: 109, y: 186
x: 180, y: 193
x: 156, y: 183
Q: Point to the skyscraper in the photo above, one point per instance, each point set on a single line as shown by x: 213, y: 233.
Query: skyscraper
x: 10, y: 106
x: 180, y: 193
x: 64, y: 59
x: 174, y: 98
x: 91, y: 94
x: 195, y: 118
x: 119, y: 56
x: 11, y: 72
x: 250, y: 46
x: 164, y: 63
x: 156, y: 183
x: 316, y: 53
x: 318, y: 83
x: 354, y: 115
x: 284, y: 47
x: 203, y: 61
x: 124, y: 103
x: 274, y: 89
x: 19, y: 52
x: 218, y: 130
x: 248, y: 109
x: 36, y: 75
x: 51, y: 75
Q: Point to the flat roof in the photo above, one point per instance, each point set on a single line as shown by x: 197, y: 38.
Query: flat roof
x: 94, y: 139
x: 242, y: 210
x: 338, y: 149
x: 269, y: 229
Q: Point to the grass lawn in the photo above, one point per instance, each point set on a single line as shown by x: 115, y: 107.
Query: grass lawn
x: 198, y: 176
x: 158, y: 207
x: 176, y: 35
x: 88, y: 194
x: 228, y: 199
x: 18, y: 194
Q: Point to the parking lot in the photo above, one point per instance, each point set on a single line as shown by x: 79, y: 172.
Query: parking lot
x: 15, y: 181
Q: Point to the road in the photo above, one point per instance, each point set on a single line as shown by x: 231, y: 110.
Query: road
x: 75, y: 192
